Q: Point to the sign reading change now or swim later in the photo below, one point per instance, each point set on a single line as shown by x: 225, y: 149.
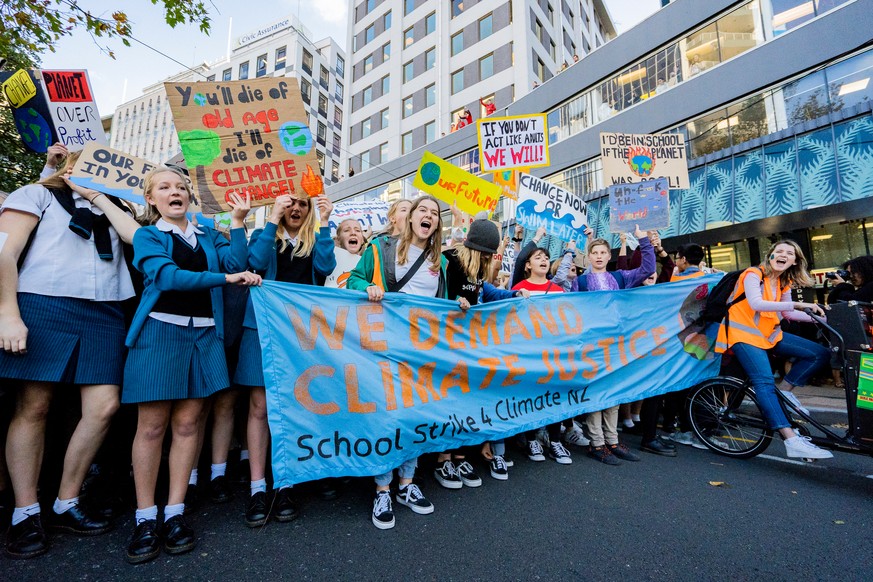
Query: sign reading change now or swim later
x: 559, y: 211
x: 519, y: 141
x: 245, y: 137
x: 451, y: 184
x: 356, y: 387
x: 644, y: 204
x: 630, y: 158
x: 112, y: 172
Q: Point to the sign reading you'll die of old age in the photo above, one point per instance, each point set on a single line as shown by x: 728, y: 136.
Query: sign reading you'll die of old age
x: 245, y: 137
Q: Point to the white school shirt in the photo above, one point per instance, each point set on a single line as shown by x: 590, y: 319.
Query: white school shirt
x: 189, y: 235
x: 60, y: 263
x: 424, y: 282
x: 345, y: 263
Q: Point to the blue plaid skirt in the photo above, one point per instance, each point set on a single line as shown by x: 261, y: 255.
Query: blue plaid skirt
x: 172, y: 362
x: 69, y: 340
x: 249, y: 368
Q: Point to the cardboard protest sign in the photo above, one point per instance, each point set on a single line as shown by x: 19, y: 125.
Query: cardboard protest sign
x: 112, y: 172
x: 519, y: 141
x: 630, y: 158
x: 508, y: 181
x: 559, y: 211
x: 645, y: 204
x: 24, y: 94
x: 372, y: 214
x: 451, y: 184
x: 245, y: 137
x: 73, y: 109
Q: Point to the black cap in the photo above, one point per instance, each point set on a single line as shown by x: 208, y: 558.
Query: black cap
x: 483, y: 236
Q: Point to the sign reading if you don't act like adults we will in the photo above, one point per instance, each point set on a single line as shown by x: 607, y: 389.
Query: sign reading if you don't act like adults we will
x: 518, y: 141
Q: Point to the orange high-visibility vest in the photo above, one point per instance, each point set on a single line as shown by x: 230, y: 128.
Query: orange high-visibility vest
x: 756, y: 328
x: 680, y: 277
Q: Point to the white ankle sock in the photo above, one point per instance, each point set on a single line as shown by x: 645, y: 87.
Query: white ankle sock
x: 63, y: 505
x: 217, y: 471
x: 635, y: 417
x: 192, y: 480
x: 244, y: 455
x: 628, y: 423
x: 173, y: 510
x: 19, y: 514
x: 259, y: 486
x: 146, y: 514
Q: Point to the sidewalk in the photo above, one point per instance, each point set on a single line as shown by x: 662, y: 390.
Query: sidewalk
x: 822, y: 398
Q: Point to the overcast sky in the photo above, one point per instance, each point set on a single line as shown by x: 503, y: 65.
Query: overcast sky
x: 136, y: 67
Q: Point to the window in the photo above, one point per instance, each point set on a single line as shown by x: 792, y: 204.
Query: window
x: 210, y: 78
x: 430, y: 95
x: 334, y: 172
x: 324, y: 77
x: 336, y: 143
x: 371, y: 5
x: 408, y: 72
x: 261, y: 69
x: 384, y: 118
x: 322, y: 103
x: 368, y: 64
x: 540, y: 70
x: 307, y: 61
x: 339, y: 92
x: 338, y: 117
x: 386, y: 51
x: 383, y: 153
x: 486, y: 66
x: 369, y: 33
x: 407, y: 107
x: 552, y: 51
x: 430, y: 132
x: 408, y: 6
x: 386, y: 84
x: 457, y: 7
x: 457, y: 81
x: 365, y: 161
x: 406, y: 142
x: 551, y: 13
x: 244, y: 70
x: 429, y: 59
x: 365, y: 128
x: 340, y: 66
x: 430, y: 23
x: 538, y: 30
x: 368, y: 95
x: 457, y: 43
x: 322, y: 132
x: 305, y: 90
x: 225, y: 75
x: 386, y: 20
x: 485, y: 27
x: 280, y: 58
x: 408, y: 36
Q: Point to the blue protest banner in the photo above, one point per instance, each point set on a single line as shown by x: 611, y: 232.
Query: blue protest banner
x: 356, y: 388
x: 645, y: 204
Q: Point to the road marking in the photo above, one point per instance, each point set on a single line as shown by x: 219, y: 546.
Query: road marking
x: 789, y: 461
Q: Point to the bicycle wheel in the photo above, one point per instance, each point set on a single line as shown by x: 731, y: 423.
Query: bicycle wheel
x: 728, y: 423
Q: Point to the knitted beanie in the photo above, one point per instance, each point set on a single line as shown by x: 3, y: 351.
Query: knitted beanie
x: 483, y: 236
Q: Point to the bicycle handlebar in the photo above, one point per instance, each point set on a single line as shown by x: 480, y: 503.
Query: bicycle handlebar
x: 823, y: 322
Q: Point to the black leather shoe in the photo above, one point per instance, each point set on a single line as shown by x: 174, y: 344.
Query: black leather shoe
x: 27, y: 539
x: 76, y: 521
x: 178, y: 536
x: 327, y: 489
x: 256, y: 510
x: 145, y: 543
x: 658, y: 447
x: 219, y: 490
x: 284, y: 507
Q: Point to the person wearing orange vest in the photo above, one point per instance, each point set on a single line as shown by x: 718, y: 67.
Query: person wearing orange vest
x: 751, y: 329
x: 688, y: 259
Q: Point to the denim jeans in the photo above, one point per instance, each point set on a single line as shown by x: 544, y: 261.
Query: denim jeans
x: 809, y: 355
x: 404, y: 471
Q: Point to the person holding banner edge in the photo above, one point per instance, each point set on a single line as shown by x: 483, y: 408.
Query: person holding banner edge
x: 176, y: 335
x: 414, y: 257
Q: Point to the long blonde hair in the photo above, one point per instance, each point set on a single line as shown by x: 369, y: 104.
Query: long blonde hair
x: 392, y: 212
x: 794, y: 276
x: 474, y: 266
x: 432, y: 247
x: 305, y: 236
x: 56, y: 180
x: 151, y: 214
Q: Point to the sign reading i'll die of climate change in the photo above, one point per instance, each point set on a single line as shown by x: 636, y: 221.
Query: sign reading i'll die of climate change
x: 559, y: 211
x: 519, y: 141
x: 245, y: 137
x: 644, y: 204
x: 73, y: 109
x: 356, y: 388
x: 111, y: 172
x: 629, y: 158
x: 372, y: 214
x: 24, y: 94
x: 451, y: 184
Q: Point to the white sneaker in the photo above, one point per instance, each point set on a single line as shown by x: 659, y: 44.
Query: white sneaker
x: 802, y: 447
x: 794, y: 400
x: 683, y: 438
x: 535, y: 451
x: 576, y: 436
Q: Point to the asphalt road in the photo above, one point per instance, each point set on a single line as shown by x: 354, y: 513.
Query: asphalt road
x: 659, y: 519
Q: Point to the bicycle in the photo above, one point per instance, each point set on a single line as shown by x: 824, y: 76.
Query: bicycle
x: 726, y: 416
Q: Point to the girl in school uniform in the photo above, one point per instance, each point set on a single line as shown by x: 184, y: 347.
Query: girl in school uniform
x: 350, y: 242
x: 62, y: 280
x: 294, y: 247
x: 176, y: 358
x: 411, y: 263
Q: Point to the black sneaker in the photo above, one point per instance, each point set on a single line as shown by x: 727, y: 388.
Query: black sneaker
x: 604, y: 455
x: 219, y: 490
x: 284, y: 507
x: 559, y: 453
x: 621, y: 451
x: 498, y: 468
x: 26, y: 539
x: 658, y: 447
x: 178, y: 536
x: 145, y: 543
x: 467, y: 474
x: 412, y: 497
x: 447, y: 476
x: 383, y: 513
x: 256, y: 510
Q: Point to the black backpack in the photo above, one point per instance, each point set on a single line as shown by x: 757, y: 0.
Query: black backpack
x: 718, y: 301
